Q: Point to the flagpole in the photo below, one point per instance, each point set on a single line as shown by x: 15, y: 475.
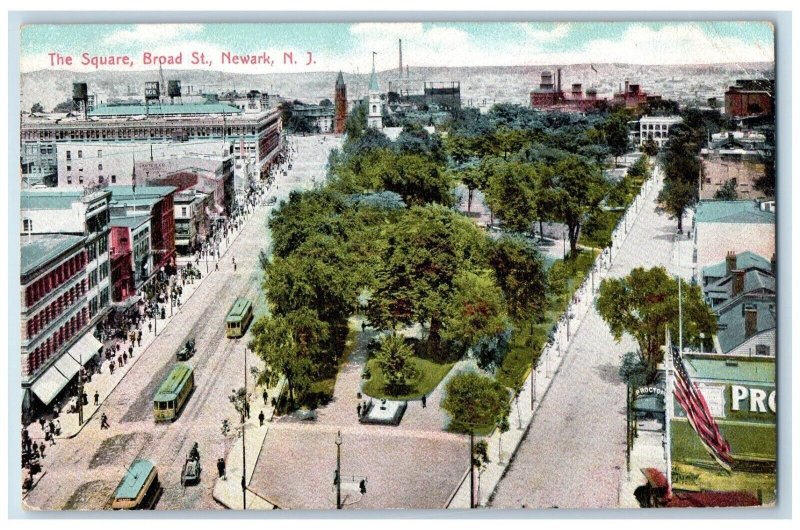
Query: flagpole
x: 670, y: 404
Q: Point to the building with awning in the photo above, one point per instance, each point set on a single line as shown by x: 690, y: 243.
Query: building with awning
x: 58, y: 375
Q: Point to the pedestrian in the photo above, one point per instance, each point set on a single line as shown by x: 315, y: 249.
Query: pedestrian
x: 130, y: 351
x: 41, y: 449
x: 111, y: 367
x: 358, y: 410
x: 363, y: 325
x: 265, y: 396
x: 221, y: 468
x: 261, y: 418
x: 149, y: 327
x: 139, y: 338
x: 216, y: 266
x: 119, y: 361
x: 84, y: 398
x: 247, y: 409
x: 36, y: 449
x: 124, y: 358
x: 96, y: 398
x: 103, y: 421
x: 424, y: 401
x: 51, y: 426
x: 41, y: 422
x: 58, y: 427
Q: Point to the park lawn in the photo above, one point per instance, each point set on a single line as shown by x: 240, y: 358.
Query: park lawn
x: 431, y: 374
x: 526, y: 344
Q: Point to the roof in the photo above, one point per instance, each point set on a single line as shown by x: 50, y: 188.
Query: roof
x: 40, y: 249
x: 744, y: 261
x: 238, y: 309
x: 741, y: 212
x: 130, y: 221
x: 660, y: 119
x: 730, y: 320
x: 173, y: 382
x: 340, y: 79
x: 163, y: 109
x: 120, y: 192
x: 50, y: 199
x: 134, y: 479
x: 725, y: 368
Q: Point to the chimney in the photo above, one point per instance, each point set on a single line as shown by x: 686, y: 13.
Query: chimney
x: 730, y: 262
x: 738, y: 282
x: 626, y: 86
x: 750, y: 321
x: 774, y: 265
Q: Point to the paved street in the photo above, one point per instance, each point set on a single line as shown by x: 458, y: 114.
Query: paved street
x: 574, y: 453
x: 84, y: 471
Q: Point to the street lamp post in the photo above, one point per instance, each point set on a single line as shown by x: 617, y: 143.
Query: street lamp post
x: 244, y: 437
x: 471, y: 469
x: 338, y: 443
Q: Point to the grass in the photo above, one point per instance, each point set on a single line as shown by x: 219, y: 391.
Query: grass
x: 430, y: 374
x: 526, y: 344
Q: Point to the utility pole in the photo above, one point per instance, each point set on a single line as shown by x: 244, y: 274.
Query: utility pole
x: 244, y: 461
x: 338, y: 443
x: 471, y: 469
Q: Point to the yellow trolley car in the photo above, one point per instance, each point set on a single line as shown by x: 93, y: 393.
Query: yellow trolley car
x: 173, y: 393
x: 139, y: 488
x: 238, y: 318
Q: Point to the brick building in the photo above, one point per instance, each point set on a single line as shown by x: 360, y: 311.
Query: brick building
x: 340, y: 105
x: 549, y: 96
x: 750, y: 97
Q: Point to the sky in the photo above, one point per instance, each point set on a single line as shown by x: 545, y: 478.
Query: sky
x: 350, y: 47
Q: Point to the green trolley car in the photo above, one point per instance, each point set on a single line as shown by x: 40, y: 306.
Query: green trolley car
x: 238, y: 318
x: 173, y: 393
x: 139, y: 488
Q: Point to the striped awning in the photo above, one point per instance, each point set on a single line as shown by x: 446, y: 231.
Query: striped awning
x: 60, y: 373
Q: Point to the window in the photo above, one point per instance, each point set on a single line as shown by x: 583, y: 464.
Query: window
x: 101, y: 179
x: 27, y: 225
x: 100, y: 167
x: 80, y: 179
x: 80, y: 153
x: 69, y: 168
x: 69, y: 155
x: 99, y: 153
x: 113, y: 179
x: 762, y: 350
x: 183, y: 211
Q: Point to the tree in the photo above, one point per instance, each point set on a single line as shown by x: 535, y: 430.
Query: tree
x: 503, y: 426
x: 289, y: 345
x: 650, y: 147
x: 476, y: 312
x: 37, y: 108
x: 575, y: 187
x: 474, y: 402
x: 511, y: 193
x: 426, y: 248
x: 675, y: 197
x: 64, y: 106
x: 474, y: 178
x: 643, y: 303
x: 616, y: 133
x: 766, y: 183
x: 394, y: 357
x: 520, y: 273
x: 326, y: 103
x: 356, y: 121
x: 727, y: 192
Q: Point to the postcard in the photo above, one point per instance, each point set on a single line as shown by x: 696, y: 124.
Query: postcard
x: 417, y: 265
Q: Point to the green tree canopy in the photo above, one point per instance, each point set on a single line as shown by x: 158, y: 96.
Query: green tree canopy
x: 511, y: 193
x: 727, y: 192
x: 675, y: 197
x: 643, y: 303
x: 520, y: 272
x: 476, y: 311
x: 290, y: 345
x: 474, y: 401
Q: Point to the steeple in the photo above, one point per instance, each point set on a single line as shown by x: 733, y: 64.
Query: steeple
x: 340, y: 80
x: 373, y: 79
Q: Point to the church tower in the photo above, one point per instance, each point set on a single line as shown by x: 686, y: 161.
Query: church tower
x: 375, y: 110
x: 340, y: 105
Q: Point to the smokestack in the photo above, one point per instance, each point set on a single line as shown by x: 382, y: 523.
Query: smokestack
x: 730, y: 262
x: 738, y: 282
x: 400, y: 46
x: 750, y: 321
x: 559, y: 80
x: 626, y: 86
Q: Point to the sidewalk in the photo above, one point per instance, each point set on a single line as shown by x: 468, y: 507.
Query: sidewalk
x: 524, y: 408
x: 104, y: 383
x: 228, y: 491
x: 647, y: 451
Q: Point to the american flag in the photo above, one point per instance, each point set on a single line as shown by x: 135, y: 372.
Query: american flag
x: 699, y: 415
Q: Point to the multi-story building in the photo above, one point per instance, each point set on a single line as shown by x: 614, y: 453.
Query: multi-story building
x: 100, y: 163
x: 750, y: 97
x: 374, y: 102
x: 131, y: 256
x: 156, y: 204
x: 656, y: 128
x: 255, y: 136
x: 38, y: 163
x: 192, y: 220
x: 211, y: 174
x: 633, y: 96
x: 54, y: 316
x: 549, y: 96
x: 83, y: 213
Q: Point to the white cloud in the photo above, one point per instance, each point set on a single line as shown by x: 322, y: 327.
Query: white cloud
x: 540, y: 35
x: 152, y: 33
